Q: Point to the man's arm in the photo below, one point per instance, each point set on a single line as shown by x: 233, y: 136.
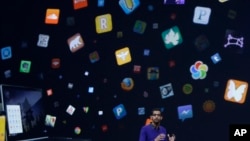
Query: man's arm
x: 143, y: 135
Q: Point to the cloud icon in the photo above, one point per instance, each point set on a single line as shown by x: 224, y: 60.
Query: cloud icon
x: 52, y: 17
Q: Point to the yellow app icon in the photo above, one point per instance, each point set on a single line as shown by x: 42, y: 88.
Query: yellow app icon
x: 103, y: 23
x: 52, y: 16
x: 2, y: 128
x: 123, y: 56
x: 236, y: 91
x: 222, y: 1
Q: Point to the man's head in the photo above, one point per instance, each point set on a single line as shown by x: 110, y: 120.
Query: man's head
x: 156, y: 116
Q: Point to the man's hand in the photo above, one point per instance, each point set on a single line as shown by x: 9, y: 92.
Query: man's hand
x: 171, y: 138
x: 160, y: 137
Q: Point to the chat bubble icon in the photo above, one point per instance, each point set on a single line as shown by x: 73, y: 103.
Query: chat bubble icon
x: 185, y: 112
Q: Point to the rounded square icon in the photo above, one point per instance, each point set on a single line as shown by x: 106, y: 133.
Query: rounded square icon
x: 52, y: 16
x: 25, y: 66
x: 75, y: 42
x: 103, y: 23
x: 201, y: 15
x: 123, y: 56
x: 172, y: 37
x: 6, y: 53
x: 119, y: 111
x: 236, y: 91
x: 128, y: 6
x: 139, y: 26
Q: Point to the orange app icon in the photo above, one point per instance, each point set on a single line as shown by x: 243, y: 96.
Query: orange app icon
x: 236, y: 91
x: 80, y: 4
x: 52, y: 16
x: 75, y: 42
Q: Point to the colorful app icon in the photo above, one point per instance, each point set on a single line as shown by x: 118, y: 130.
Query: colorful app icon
x: 128, y: 6
x: 198, y: 70
x: 78, y: 4
x: 185, y: 112
x: 85, y: 109
x: 166, y: 91
x: 25, y: 66
x: 103, y: 23
x: 216, y: 58
x: 55, y: 63
x: 50, y: 120
x: 75, y: 42
x: 172, y: 37
x: 123, y: 56
x: 139, y: 26
x: 94, y: 57
x: 6, y: 53
x: 236, y: 91
x: 153, y: 73
x: 43, y: 40
x: 222, y: 1
x: 52, y: 16
x: 119, y: 111
x: 127, y: 84
x: 201, y: 15
x: 208, y: 106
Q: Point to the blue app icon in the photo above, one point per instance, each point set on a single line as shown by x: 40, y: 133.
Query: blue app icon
x: 119, y: 111
x: 6, y: 53
x: 185, y: 111
x: 216, y: 58
x: 128, y: 6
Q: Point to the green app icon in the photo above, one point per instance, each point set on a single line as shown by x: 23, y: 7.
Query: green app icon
x: 172, y: 37
x: 25, y: 66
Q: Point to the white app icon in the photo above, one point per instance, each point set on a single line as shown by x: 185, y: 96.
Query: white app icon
x: 201, y: 15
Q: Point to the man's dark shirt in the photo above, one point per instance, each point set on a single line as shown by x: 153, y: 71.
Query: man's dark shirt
x: 149, y: 132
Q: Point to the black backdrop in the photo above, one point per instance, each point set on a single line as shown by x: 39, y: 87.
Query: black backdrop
x: 23, y: 21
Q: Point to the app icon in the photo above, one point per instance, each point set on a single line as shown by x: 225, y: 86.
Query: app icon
x: 216, y: 58
x: 166, y: 91
x: 222, y: 1
x: 137, y: 68
x: 85, y: 109
x: 153, y: 73
x: 94, y: 57
x: 50, y: 120
x: 55, y: 63
x: 75, y: 42
x: 80, y: 4
x: 127, y: 84
x: 185, y: 112
x: 70, y: 110
x: 52, y: 16
x: 25, y: 66
x: 119, y: 111
x: 236, y: 91
x: 172, y: 37
x: 201, y: 42
x: 128, y: 6
x: 6, y: 53
x: 174, y: 2
x: 103, y: 23
x: 233, y: 38
x: 187, y: 88
x: 100, y: 3
x: 198, y: 70
x: 141, y: 111
x: 208, y: 106
x: 139, y: 27
x: 43, y: 40
x: 123, y: 56
x: 201, y: 15
x: 7, y: 73
x: 148, y: 121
